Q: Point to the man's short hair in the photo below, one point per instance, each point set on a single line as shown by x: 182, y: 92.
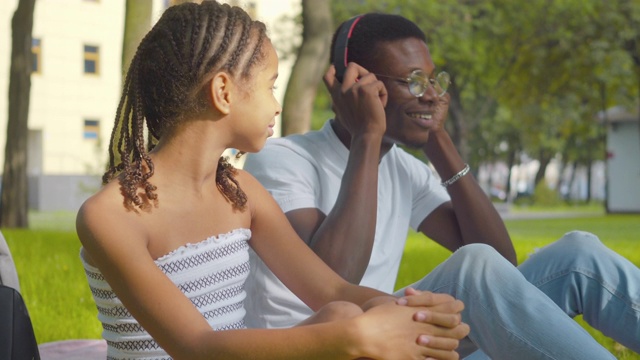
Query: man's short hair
x: 372, y: 29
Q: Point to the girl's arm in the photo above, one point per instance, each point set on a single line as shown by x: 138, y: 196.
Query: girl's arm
x: 313, y: 281
x: 117, y: 245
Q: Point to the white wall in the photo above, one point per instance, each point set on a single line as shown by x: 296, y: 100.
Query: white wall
x: 623, y: 167
x: 62, y: 96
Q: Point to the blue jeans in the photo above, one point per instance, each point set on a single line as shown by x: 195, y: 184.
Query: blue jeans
x: 526, y: 314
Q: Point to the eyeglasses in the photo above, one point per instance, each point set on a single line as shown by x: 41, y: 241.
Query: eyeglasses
x: 418, y: 82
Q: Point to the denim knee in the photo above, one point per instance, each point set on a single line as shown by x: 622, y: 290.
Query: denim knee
x: 478, y: 260
x: 470, y: 271
x: 575, y: 251
x: 579, y: 245
x: 581, y: 239
x: 477, y: 253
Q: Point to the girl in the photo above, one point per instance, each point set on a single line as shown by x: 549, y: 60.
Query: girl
x: 165, y: 284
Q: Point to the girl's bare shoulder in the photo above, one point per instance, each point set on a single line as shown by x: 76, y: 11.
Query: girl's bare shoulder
x: 108, y: 199
x: 251, y: 186
x: 104, y: 212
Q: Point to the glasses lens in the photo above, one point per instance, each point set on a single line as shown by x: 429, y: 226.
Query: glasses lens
x: 442, y: 82
x: 419, y: 82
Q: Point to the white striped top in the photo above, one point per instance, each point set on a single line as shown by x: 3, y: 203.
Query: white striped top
x: 210, y: 273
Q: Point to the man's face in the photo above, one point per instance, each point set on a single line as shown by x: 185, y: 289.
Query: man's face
x: 408, y: 117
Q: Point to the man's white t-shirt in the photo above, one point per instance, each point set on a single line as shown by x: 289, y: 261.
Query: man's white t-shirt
x: 305, y: 171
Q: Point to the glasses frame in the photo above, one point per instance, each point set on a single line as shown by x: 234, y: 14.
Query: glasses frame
x: 418, y: 73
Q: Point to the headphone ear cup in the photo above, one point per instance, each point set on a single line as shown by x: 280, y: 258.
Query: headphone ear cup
x: 341, y: 46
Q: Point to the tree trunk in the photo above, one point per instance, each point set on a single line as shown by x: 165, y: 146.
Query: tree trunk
x: 511, y: 161
x: 14, y: 204
x: 589, y: 179
x: 137, y: 23
x: 558, y: 184
x: 544, y: 158
x: 312, y: 60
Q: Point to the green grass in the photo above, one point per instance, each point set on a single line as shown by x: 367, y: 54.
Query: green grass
x: 61, y: 307
x: 52, y: 279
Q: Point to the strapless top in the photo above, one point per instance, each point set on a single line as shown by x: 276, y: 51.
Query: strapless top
x: 210, y: 273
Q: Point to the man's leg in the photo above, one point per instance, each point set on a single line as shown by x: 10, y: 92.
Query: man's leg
x: 582, y: 276
x: 508, y: 315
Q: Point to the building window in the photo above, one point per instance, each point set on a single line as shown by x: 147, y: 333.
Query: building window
x: 91, y: 59
x: 91, y: 129
x: 36, y: 58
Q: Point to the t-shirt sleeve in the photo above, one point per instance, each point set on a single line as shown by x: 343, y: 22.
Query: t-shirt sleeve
x: 288, y: 173
x: 427, y: 192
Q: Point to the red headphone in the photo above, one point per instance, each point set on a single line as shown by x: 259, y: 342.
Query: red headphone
x: 341, y: 46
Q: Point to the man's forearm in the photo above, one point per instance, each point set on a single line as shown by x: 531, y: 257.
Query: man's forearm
x: 345, y: 238
x: 477, y: 218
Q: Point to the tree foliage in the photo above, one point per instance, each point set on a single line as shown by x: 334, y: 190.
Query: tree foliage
x: 528, y: 76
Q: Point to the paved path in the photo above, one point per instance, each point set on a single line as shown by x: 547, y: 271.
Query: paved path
x: 507, y: 214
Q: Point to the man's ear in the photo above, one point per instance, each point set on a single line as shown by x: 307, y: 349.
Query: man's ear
x: 220, y: 92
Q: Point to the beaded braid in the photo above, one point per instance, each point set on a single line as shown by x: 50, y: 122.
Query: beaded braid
x: 165, y: 85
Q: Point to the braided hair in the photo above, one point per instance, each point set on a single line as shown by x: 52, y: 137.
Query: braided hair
x: 166, y: 83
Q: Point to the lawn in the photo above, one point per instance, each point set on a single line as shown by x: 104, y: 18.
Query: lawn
x: 61, y: 306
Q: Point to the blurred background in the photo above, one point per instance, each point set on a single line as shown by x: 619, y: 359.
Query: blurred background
x: 545, y: 101
x: 545, y: 93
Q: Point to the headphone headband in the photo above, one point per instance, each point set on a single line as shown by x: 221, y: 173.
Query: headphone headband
x: 341, y: 46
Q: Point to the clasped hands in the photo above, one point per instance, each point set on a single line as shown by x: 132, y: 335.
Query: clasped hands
x: 439, y: 316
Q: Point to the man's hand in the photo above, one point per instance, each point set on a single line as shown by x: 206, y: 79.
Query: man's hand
x: 440, y: 113
x: 358, y: 101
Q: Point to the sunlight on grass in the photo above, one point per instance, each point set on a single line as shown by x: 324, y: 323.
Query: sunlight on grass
x: 52, y: 279
x: 61, y: 307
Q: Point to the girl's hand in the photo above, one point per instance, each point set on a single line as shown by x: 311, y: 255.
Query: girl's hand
x: 395, y: 331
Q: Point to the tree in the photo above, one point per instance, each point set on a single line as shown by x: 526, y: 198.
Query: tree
x: 312, y: 60
x: 527, y: 77
x: 567, y: 50
x: 137, y: 23
x: 14, y: 202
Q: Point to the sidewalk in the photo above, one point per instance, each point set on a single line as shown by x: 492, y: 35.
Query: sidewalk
x: 506, y: 213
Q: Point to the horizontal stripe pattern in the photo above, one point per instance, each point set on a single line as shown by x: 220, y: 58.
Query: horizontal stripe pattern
x: 210, y: 273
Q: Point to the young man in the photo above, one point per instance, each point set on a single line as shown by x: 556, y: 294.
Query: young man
x: 352, y: 194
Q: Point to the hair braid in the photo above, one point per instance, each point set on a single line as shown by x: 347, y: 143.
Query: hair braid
x: 112, y: 168
x: 228, y: 184
x: 241, y: 41
x: 132, y: 168
x: 165, y: 85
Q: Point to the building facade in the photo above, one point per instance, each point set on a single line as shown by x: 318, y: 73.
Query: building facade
x: 623, y: 160
x: 75, y: 89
